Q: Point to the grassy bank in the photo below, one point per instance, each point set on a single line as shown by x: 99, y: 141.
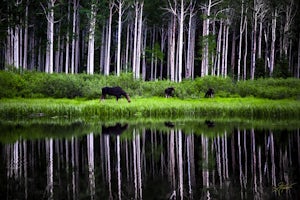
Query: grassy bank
x: 156, y: 107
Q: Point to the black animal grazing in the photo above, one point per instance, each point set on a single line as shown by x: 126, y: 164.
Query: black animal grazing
x: 114, y: 91
x: 117, y: 129
x: 169, y: 92
x: 210, y: 93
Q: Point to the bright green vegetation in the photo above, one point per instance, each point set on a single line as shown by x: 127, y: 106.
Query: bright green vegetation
x: 155, y: 107
x: 42, y: 85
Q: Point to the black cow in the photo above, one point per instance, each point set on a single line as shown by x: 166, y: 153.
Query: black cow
x: 169, y: 92
x: 210, y: 93
x: 117, y: 129
x: 114, y: 91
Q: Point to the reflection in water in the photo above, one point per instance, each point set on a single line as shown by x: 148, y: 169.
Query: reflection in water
x: 168, y: 164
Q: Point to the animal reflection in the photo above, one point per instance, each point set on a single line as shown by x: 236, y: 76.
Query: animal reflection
x: 169, y: 124
x: 209, y: 123
x: 117, y: 129
x: 114, y: 91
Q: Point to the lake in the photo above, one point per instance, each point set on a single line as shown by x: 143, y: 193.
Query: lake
x: 150, y: 159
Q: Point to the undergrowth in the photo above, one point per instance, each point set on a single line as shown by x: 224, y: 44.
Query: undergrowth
x: 43, y: 85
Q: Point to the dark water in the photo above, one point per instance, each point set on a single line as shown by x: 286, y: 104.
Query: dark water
x: 199, y: 160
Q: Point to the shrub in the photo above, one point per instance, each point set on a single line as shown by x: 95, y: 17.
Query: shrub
x: 37, y: 84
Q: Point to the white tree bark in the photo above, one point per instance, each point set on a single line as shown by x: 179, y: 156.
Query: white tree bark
x: 298, y: 68
x: 120, y: 4
x: 91, y: 40
x: 246, y: 46
x: 180, y: 42
x: 25, y: 37
x: 136, y: 6
x: 16, y: 47
x: 50, y: 37
x: 67, y: 59
x: 74, y: 36
x: 191, y: 42
x: 272, y: 52
x: 139, y: 41
x: 108, y: 41
x: 219, y: 44
x: 240, y: 42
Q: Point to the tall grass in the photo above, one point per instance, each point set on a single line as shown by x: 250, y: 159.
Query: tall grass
x: 156, y: 107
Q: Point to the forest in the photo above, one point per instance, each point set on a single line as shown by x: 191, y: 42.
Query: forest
x: 152, y: 39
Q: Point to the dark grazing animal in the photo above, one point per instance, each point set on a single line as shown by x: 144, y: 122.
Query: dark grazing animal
x: 169, y: 92
x: 210, y: 93
x: 114, y: 91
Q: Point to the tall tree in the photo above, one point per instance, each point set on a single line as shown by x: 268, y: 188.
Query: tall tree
x: 120, y: 6
x: 108, y: 38
x: 50, y: 36
x: 206, y: 8
x: 91, y: 38
x: 74, y: 36
x: 273, y: 40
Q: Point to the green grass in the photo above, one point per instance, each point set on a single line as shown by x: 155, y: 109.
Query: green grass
x: 156, y: 107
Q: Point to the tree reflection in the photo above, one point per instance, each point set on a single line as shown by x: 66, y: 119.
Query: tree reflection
x: 167, y: 164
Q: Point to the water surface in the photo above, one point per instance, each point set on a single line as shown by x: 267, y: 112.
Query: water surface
x: 169, y: 159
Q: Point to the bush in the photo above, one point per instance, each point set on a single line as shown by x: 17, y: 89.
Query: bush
x: 36, y: 84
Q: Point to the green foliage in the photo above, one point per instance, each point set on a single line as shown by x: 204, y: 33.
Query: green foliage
x: 270, y: 88
x: 36, y: 84
x: 281, y: 69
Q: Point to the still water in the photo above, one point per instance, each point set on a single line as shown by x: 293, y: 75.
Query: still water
x: 162, y: 160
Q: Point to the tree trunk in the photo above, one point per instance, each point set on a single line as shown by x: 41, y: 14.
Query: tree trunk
x: 180, y: 42
x: 91, y: 40
x: 272, y: 56
x: 120, y: 13
x: 240, y: 42
x: 226, y: 51
x: 139, y: 40
x: 67, y: 61
x: 136, y: 4
x: 219, y: 44
x: 74, y: 36
x: 102, y: 50
x: 205, y: 33
x: 25, y: 37
x: 16, y: 47
x: 259, y: 51
x: 50, y: 37
x: 172, y: 48
x: 246, y: 47
x: 162, y: 49
x: 298, y: 68
x: 107, y: 62
x: 254, y: 40
x: 233, y: 49
x: 144, y: 57
x: 57, y: 51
